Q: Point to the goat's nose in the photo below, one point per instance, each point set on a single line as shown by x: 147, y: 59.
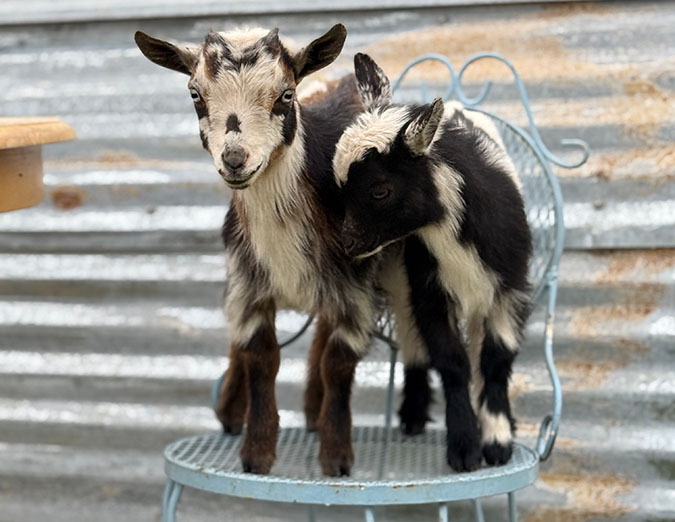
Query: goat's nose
x: 234, y: 158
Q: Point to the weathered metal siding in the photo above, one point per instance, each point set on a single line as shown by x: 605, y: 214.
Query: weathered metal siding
x: 110, y: 327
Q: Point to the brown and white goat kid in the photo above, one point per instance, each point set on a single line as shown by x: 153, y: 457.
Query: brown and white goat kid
x: 282, y: 230
x: 446, y: 186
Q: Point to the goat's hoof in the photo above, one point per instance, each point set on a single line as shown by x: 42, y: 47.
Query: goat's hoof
x: 497, y: 454
x: 311, y: 423
x: 413, y: 417
x: 464, y: 459
x: 233, y: 428
x: 338, y: 464
x: 412, y: 428
x: 232, y: 424
x: 256, y: 462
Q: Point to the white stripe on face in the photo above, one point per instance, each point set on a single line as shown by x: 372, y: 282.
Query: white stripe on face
x: 372, y: 130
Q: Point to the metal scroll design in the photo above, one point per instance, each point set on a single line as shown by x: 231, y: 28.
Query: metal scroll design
x: 455, y: 88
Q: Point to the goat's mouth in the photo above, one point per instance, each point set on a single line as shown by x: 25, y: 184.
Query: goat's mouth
x: 357, y: 247
x: 241, y: 183
x: 363, y: 251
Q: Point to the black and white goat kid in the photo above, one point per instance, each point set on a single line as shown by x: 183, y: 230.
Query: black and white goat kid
x: 282, y: 230
x: 445, y: 185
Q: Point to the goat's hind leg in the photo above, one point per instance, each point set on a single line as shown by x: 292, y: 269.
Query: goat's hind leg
x: 497, y: 423
x: 233, y: 397
x: 500, y: 346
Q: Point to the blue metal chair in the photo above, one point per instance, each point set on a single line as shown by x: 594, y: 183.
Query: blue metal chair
x: 390, y: 468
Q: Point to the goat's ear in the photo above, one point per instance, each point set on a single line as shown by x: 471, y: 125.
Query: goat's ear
x: 320, y: 53
x: 181, y: 57
x: 420, y: 132
x: 371, y: 82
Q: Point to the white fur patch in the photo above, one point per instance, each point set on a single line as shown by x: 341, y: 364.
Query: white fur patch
x: 475, y: 335
x: 461, y: 270
x: 495, y: 427
x: 503, y: 321
x: 309, y: 88
x: 394, y: 281
x: 372, y: 130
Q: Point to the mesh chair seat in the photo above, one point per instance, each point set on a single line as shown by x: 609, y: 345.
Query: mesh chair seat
x: 389, y: 468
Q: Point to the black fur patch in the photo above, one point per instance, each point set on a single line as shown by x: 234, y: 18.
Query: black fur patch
x: 204, y: 138
x: 290, y: 125
x: 223, y: 57
x: 232, y: 124
x: 215, y: 57
x: 494, y: 219
x: 248, y: 58
x: 201, y: 109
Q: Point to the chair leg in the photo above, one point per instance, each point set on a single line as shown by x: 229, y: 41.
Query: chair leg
x: 311, y: 513
x: 172, y: 492
x: 513, y: 517
x: 370, y: 516
x: 478, y: 510
x: 390, y: 390
x: 443, y: 512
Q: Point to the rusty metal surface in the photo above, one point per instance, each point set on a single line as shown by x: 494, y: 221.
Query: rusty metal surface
x: 110, y: 323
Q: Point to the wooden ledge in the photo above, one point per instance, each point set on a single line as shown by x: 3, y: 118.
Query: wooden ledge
x: 25, y: 132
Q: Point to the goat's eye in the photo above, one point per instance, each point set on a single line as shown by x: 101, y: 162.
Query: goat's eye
x: 287, y: 96
x: 196, y: 97
x: 380, y: 192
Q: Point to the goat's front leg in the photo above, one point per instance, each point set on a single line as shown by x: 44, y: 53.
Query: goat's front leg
x: 314, y: 390
x: 261, y: 356
x: 417, y: 394
x: 233, y: 397
x: 255, y: 349
x: 338, y: 364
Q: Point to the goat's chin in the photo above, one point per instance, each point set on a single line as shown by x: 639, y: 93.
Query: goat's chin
x: 247, y: 181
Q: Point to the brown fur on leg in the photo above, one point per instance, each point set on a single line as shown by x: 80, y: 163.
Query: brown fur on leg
x: 261, y: 357
x: 314, y: 390
x: 335, y: 422
x: 233, y: 397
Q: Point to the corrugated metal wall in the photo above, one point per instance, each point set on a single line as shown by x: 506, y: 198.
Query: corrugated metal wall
x: 110, y: 327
